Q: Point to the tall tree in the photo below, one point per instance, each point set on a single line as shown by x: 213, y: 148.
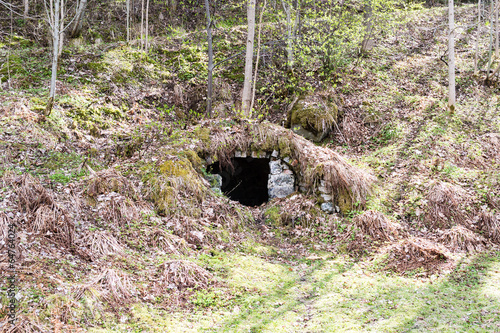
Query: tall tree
x: 451, y: 48
x: 147, y: 27
x: 258, y: 54
x: 496, y: 28
x: 128, y: 20
x: 247, y: 85
x: 56, y: 19
x: 26, y: 9
x: 78, y: 20
x: 368, y: 21
x: 478, y: 35
x: 210, y: 59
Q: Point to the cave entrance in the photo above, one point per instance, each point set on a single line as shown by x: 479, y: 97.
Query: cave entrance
x: 246, y: 181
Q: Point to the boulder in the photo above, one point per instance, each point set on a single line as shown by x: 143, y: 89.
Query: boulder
x: 313, y: 117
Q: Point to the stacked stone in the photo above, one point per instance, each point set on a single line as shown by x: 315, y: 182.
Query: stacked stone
x: 281, y: 181
x: 327, y: 206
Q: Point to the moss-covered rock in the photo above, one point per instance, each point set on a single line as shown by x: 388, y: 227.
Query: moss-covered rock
x: 313, y: 117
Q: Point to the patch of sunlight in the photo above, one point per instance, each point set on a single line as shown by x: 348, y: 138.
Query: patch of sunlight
x: 150, y: 319
x: 264, y: 276
x: 357, y: 300
x: 491, y: 283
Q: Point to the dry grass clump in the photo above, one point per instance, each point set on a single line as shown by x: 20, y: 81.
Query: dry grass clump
x: 4, y: 229
x: 445, y: 202
x: 184, y: 274
x: 109, y: 180
x: 119, y: 210
x: 31, y: 194
x: 377, y: 225
x: 168, y: 242
x: 460, y: 238
x: 102, y: 243
x: 369, y: 230
x: 490, y: 226
x: 111, y: 284
x: 44, y: 214
x: 414, y: 253
x: 23, y: 325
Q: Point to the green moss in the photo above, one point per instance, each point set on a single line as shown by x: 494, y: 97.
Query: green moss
x: 175, y: 168
x: 193, y: 157
x: 314, y: 114
x: 344, y: 201
x: 273, y: 216
x: 203, y: 134
x: 284, y: 146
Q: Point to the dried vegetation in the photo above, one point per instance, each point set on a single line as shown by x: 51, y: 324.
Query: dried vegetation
x: 43, y: 215
x: 415, y: 253
x: 183, y: 274
x: 489, y: 225
x: 102, y: 243
x: 446, y: 206
x: 460, y: 238
x: 370, y: 229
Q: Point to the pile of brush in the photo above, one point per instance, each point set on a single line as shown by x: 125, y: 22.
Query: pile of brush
x: 413, y: 253
x: 370, y: 229
x: 446, y: 206
x: 460, y: 238
x: 41, y: 213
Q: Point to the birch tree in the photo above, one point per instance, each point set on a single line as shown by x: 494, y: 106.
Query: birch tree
x: 128, y: 20
x: 478, y: 35
x: 496, y: 29
x: 78, y: 21
x: 258, y: 54
x: 26, y: 9
x: 56, y: 19
x: 210, y: 59
x: 247, y: 85
x: 146, y: 46
x: 451, y: 48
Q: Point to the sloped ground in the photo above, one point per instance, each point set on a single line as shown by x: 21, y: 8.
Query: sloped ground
x: 118, y: 230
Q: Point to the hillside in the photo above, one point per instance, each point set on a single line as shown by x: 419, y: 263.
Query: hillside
x: 121, y: 225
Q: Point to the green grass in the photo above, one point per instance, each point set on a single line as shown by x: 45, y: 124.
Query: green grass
x: 333, y: 295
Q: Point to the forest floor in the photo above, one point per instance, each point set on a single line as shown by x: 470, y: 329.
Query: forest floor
x: 113, y: 236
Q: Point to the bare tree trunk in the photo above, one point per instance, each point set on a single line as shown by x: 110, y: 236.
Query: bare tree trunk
x: 289, y: 41
x: 490, y: 58
x: 26, y: 9
x: 128, y: 21
x: 368, y: 27
x: 247, y: 86
x: 210, y: 60
x: 142, y: 25
x: 55, y: 55
x: 478, y: 35
x: 496, y: 29
x: 78, y: 20
x: 297, y: 23
x: 451, y: 65
x: 258, y: 54
x: 147, y: 26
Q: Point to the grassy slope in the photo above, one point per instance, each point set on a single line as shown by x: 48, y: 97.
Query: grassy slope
x: 398, y: 127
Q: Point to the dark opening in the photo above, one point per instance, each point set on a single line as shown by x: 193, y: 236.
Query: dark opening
x: 246, y: 182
